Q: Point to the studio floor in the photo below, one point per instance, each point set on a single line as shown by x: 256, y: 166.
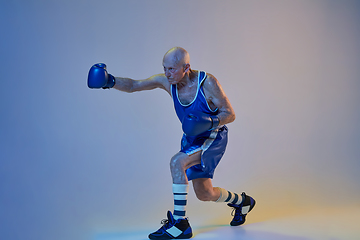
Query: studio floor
x: 323, y: 224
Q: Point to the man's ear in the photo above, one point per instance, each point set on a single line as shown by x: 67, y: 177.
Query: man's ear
x: 187, y: 67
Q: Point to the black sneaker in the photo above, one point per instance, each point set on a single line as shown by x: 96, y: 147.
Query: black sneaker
x: 242, y: 210
x: 173, y: 229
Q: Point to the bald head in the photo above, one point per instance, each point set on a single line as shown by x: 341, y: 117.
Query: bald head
x: 178, y: 56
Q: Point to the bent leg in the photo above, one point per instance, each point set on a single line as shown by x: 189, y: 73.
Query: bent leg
x: 204, y: 190
x: 180, y: 162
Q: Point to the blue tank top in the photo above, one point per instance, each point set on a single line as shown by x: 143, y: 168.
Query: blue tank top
x: 198, y: 104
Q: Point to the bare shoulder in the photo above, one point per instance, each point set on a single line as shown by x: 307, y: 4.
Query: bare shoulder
x: 214, y: 93
x: 212, y: 85
x: 162, y: 81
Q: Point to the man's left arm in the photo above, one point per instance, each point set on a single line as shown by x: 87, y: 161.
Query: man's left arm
x: 216, y: 95
x: 195, y: 123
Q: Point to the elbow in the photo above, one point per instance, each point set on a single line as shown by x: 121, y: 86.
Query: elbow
x: 233, y: 117
x: 226, y: 118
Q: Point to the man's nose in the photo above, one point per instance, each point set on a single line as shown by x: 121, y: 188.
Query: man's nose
x: 167, y: 73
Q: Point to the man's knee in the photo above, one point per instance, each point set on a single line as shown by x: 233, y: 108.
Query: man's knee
x: 177, y: 161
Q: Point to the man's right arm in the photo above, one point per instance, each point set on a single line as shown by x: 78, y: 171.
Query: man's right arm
x: 130, y: 85
x: 99, y: 78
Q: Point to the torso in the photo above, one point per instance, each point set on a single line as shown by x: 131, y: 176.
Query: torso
x: 187, y: 93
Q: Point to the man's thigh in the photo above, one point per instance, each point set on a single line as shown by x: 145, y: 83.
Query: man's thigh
x: 188, y: 160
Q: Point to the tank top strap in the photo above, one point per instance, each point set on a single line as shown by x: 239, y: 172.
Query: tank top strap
x: 202, y: 77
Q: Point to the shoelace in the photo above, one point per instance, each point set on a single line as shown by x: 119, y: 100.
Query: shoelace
x: 234, y: 208
x: 232, y: 212
x: 165, y: 223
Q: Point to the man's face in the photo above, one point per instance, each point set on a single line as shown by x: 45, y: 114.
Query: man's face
x: 173, y: 72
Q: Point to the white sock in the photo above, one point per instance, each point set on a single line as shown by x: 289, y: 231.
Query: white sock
x: 227, y: 196
x: 180, y: 192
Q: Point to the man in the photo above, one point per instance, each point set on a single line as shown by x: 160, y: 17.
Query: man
x: 203, y: 110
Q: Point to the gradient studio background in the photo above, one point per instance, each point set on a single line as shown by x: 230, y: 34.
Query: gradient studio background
x: 77, y: 162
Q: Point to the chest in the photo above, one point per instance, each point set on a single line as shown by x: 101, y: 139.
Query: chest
x: 187, y: 94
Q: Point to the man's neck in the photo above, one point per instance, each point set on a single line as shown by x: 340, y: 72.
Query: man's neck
x: 188, y: 79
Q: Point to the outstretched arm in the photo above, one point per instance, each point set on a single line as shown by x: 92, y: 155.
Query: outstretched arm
x: 130, y: 85
x: 98, y: 77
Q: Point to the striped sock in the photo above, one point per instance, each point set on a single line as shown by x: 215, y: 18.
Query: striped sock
x: 227, y: 196
x: 180, y: 200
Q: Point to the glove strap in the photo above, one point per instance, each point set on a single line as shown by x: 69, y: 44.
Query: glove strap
x: 110, y: 83
x: 215, y: 122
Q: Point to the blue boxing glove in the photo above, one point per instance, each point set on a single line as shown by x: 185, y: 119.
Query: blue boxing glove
x: 99, y: 78
x: 195, y: 123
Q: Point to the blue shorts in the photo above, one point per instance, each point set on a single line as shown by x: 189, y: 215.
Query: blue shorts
x: 212, y: 144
